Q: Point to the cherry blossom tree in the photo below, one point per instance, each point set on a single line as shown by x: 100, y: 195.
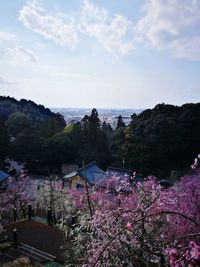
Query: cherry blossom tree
x: 51, y: 195
x: 136, y: 225
x: 15, y: 197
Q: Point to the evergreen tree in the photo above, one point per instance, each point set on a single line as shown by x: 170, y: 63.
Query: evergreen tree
x: 120, y: 122
x: 4, y: 141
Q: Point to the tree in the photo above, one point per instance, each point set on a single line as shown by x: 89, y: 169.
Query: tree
x: 95, y: 146
x: 139, y: 228
x: 17, y: 122
x: 4, y: 142
x: 108, y: 131
x: 116, y: 151
x: 120, y: 122
x: 26, y: 146
x: 52, y: 195
x: 56, y: 150
x: 16, y: 196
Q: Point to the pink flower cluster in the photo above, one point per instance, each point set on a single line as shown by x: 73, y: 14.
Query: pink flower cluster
x: 137, y: 224
x: 129, y: 226
x: 195, y: 163
x: 189, y: 257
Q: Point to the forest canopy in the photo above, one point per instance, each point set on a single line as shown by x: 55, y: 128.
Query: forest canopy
x: 157, y: 141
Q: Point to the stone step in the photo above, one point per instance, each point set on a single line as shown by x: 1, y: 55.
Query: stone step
x: 35, y: 254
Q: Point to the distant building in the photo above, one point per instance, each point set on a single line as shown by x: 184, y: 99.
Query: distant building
x: 90, y: 174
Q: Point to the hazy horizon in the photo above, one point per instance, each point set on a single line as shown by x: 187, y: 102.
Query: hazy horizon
x: 98, y: 107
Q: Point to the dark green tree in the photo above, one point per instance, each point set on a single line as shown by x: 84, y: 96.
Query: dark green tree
x: 120, y: 122
x: 95, y: 146
x: 4, y: 142
x: 108, y: 131
x: 57, y: 150
x: 17, y: 122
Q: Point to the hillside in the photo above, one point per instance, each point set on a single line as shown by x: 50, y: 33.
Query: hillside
x: 160, y: 141
x: 24, y: 125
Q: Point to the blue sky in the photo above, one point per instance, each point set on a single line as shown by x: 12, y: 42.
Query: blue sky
x: 100, y: 53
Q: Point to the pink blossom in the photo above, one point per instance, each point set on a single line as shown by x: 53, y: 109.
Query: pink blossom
x: 192, y: 244
x: 195, y: 250
x: 195, y: 253
x: 116, y: 214
x: 173, y: 252
x: 129, y: 226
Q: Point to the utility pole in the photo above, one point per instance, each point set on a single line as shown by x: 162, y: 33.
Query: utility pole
x: 87, y: 191
x: 123, y: 163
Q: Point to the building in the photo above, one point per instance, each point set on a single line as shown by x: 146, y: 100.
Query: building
x: 68, y: 168
x: 90, y: 174
x: 3, y: 178
x: 94, y: 176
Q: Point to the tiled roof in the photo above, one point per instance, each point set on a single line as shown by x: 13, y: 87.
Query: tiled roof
x: 3, y: 176
x: 70, y: 175
x: 91, y: 173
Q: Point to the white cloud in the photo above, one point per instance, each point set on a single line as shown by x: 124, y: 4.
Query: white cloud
x: 6, y: 36
x: 20, y: 55
x: 187, y: 49
x: 3, y: 81
x: 112, y: 33
x: 173, y: 25
x: 50, y: 27
x: 7, y: 83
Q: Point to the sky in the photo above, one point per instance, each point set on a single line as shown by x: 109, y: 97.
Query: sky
x: 100, y: 53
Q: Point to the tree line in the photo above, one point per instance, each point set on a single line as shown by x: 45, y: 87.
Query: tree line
x: 156, y: 141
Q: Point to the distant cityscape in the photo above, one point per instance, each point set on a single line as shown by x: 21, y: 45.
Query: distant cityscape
x: 108, y: 115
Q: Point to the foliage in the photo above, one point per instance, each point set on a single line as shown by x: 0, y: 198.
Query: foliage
x: 24, y: 126
x: 138, y: 227
x: 120, y: 122
x: 15, y: 197
x: 94, y: 142
x: 190, y: 256
x: 17, y: 122
x: 57, y: 149
x: 131, y: 224
x: 52, y: 195
x: 4, y: 141
x: 159, y: 140
x: 22, y: 262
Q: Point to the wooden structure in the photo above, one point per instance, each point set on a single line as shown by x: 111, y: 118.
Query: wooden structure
x: 89, y: 174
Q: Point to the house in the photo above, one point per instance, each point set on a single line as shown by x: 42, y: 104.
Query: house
x: 68, y: 168
x: 94, y: 176
x: 3, y: 178
x: 89, y: 174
